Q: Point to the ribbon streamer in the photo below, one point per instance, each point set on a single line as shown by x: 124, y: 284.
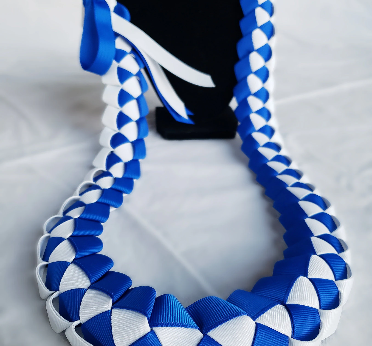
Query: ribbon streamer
x: 144, y: 42
x: 102, y: 20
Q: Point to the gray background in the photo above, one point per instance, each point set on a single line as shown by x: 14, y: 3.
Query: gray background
x: 197, y: 223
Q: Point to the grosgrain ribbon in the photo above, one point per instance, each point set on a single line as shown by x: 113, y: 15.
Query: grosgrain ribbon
x: 97, y: 50
x: 97, y: 53
x: 300, y: 304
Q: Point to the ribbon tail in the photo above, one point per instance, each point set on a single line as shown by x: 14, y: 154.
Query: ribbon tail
x: 166, y: 93
x: 103, y: 20
x: 144, y: 42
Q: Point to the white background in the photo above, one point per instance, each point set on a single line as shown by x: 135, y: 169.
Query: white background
x: 197, y: 223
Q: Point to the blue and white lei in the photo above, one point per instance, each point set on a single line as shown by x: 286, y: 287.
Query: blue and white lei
x: 300, y: 304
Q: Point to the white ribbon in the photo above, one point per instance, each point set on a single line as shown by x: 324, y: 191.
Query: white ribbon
x: 146, y: 44
x: 155, y: 55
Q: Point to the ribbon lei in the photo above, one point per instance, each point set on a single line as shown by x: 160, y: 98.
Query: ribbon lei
x: 103, y: 21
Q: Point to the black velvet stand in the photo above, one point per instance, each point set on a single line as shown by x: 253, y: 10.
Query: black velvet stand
x: 203, y: 34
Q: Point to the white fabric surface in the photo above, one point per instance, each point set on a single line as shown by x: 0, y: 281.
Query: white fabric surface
x: 197, y: 223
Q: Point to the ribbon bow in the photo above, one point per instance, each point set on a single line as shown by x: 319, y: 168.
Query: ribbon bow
x: 104, y: 18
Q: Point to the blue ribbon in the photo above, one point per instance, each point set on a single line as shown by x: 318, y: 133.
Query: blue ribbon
x: 97, y: 50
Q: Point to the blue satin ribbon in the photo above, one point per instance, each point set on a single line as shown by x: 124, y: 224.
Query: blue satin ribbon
x: 97, y: 50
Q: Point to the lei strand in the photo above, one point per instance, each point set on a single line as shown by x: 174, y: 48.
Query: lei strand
x: 299, y: 305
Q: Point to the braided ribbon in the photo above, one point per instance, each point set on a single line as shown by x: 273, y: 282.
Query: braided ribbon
x: 300, y: 304
x: 103, y: 21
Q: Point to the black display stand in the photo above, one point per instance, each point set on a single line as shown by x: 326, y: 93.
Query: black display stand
x: 203, y: 34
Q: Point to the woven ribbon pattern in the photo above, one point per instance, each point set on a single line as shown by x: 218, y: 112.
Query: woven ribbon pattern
x: 300, y: 304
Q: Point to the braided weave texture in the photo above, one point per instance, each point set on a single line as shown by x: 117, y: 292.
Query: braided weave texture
x: 300, y: 304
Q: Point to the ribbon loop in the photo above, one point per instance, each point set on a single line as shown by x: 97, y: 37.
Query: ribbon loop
x: 97, y: 50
